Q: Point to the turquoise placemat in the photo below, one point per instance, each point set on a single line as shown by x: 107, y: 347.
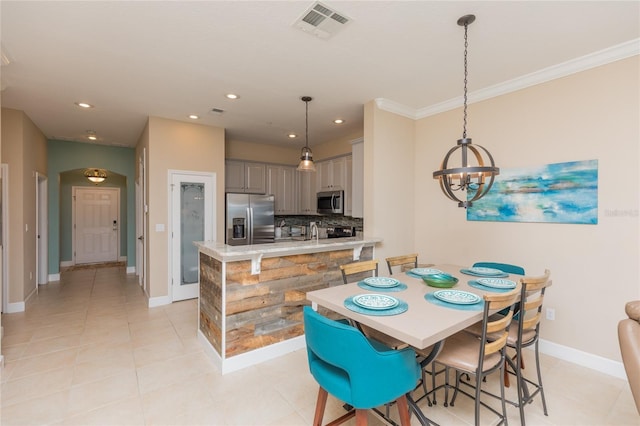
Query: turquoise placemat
x: 470, y: 272
x: 402, y: 307
x: 365, y: 286
x: 475, y: 307
x: 476, y: 284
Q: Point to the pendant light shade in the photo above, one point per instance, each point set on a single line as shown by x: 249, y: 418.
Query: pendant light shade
x: 96, y: 175
x: 476, y: 171
x: 306, y: 156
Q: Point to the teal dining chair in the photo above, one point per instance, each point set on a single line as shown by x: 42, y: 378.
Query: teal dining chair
x: 359, y: 371
x: 504, y: 267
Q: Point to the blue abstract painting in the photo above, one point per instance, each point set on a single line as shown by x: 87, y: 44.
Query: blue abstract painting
x: 553, y: 193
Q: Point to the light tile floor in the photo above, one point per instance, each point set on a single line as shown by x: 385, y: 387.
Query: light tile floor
x: 88, y: 351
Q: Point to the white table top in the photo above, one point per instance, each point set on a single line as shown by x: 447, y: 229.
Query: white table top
x: 424, y: 323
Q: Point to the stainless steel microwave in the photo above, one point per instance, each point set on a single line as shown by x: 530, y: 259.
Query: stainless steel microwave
x: 331, y: 202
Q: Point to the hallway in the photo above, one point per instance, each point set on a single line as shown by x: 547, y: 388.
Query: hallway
x: 88, y: 351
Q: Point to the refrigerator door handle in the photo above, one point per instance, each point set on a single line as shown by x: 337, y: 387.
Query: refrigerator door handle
x: 249, y: 225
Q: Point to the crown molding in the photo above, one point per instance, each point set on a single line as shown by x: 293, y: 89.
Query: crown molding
x: 583, y: 63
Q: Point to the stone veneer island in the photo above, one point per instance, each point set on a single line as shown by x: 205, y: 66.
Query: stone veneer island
x: 251, y: 297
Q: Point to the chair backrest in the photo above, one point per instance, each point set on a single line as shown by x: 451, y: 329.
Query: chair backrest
x: 407, y: 259
x: 359, y: 267
x: 504, y: 267
x: 345, y: 363
x: 495, y: 329
x: 531, y: 299
x: 629, y: 340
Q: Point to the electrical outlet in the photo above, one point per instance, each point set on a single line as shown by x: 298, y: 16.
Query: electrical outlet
x: 551, y: 314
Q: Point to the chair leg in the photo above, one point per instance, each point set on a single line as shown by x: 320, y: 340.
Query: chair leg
x: 403, y: 410
x: 544, y: 402
x: 321, y: 403
x: 361, y: 417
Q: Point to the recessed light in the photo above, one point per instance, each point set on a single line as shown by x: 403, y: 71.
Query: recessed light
x: 83, y: 105
x: 232, y: 96
x: 292, y: 135
x: 338, y: 121
x: 193, y: 117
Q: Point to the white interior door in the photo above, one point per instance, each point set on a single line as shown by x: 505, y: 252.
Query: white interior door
x: 192, y: 219
x: 96, y: 224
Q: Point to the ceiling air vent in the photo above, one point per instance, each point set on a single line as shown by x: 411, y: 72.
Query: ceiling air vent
x: 321, y: 21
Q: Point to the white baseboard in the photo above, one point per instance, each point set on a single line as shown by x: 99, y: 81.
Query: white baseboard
x: 131, y: 269
x: 122, y: 259
x: 66, y: 263
x: 247, y: 359
x: 585, y: 359
x: 159, y: 301
x: 54, y: 277
x: 12, y: 308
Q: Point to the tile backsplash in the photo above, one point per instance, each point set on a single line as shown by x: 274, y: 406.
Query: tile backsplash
x: 322, y: 221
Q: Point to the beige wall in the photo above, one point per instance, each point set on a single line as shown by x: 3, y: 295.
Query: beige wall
x: 389, y: 180
x: 175, y: 145
x: 595, y: 268
x: 24, y: 149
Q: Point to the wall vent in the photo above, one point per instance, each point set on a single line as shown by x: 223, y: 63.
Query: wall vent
x: 321, y: 21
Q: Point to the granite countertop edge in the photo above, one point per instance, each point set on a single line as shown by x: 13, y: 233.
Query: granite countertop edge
x: 226, y: 253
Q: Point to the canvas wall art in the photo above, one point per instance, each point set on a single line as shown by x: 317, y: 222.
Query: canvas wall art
x: 553, y: 193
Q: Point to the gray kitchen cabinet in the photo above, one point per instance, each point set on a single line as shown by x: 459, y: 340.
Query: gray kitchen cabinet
x: 281, y: 182
x: 244, y: 176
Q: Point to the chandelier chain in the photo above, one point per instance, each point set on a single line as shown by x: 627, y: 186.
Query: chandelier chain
x: 466, y: 44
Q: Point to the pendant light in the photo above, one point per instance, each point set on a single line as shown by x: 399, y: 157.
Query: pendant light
x: 95, y: 175
x: 306, y: 156
x: 470, y: 178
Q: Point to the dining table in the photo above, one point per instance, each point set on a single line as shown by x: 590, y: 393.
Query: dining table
x: 420, y: 315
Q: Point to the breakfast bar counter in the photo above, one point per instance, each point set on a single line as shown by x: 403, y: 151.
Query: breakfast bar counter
x: 251, y: 297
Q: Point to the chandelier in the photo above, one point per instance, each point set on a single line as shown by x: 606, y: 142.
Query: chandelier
x: 470, y: 178
x: 95, y: 175
x: 306, y: 156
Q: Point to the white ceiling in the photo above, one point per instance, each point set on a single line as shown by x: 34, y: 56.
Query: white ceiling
x: 170, y: 59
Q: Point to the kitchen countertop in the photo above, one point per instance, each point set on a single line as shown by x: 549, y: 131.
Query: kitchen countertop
x: 227, y: 253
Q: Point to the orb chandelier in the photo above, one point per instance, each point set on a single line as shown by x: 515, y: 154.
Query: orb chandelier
x: 306, y: 156
x: 475, y: 175
x: 96, y: 175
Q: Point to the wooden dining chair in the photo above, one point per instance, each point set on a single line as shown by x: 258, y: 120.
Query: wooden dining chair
x: 349, y: 272
x: 358, y: 268
x: 479, y: 357
x: 525, y: 332
x: 410, y: 260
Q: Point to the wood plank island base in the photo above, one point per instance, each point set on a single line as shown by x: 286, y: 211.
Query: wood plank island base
x: 251, y: 297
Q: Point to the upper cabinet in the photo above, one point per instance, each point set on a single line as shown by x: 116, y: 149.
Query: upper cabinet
x: 241, y: 176
x: 307, y: 193
x: 281, y: 182
x: 332, y: 174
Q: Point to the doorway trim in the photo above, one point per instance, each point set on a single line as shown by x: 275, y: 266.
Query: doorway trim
x: 4, y: 175
x: 42, y: 231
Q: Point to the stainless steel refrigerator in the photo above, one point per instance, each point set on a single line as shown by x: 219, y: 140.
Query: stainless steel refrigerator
x: 249, y: 219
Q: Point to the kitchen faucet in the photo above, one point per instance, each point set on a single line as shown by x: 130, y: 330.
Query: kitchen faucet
x: 314, y: 230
